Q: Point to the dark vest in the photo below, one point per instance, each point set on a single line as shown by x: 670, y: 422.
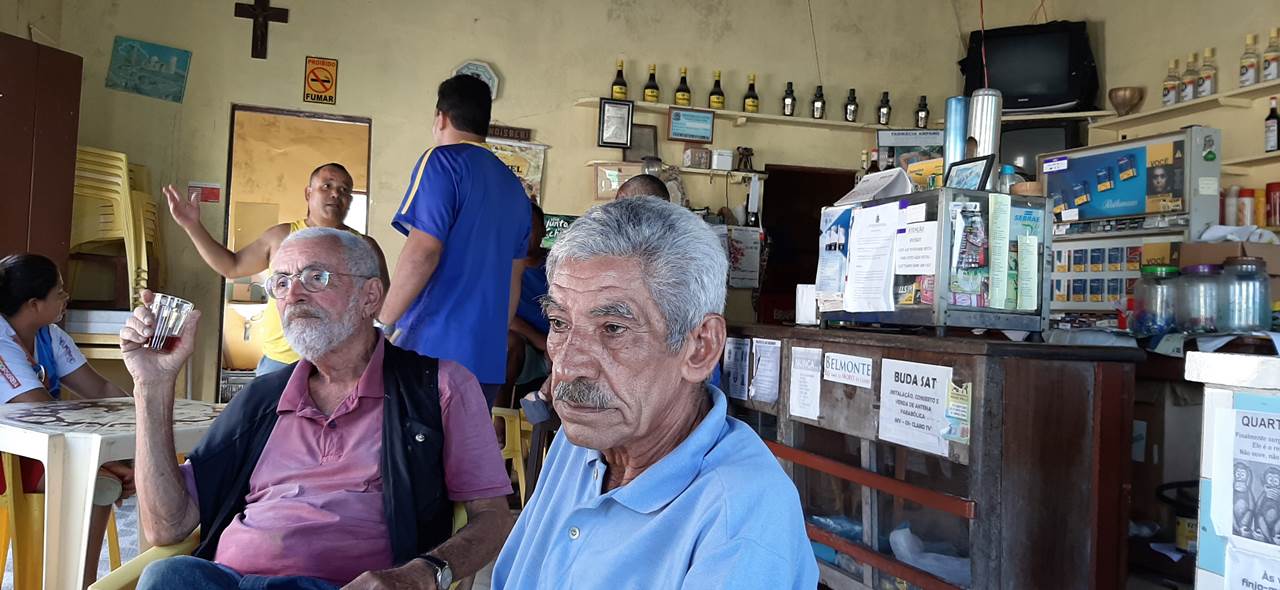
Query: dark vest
x: 414, y: 498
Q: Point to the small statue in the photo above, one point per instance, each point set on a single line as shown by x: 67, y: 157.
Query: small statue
x: 744, y: 160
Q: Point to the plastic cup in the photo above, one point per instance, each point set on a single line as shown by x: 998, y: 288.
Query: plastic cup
x: 170, y: 314
x: 106, y: 490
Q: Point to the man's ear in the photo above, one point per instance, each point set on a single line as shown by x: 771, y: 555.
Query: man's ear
x: 372, y: 296
x: 703, y: 347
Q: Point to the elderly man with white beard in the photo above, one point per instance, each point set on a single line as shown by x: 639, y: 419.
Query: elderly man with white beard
x: 340, y: 472
x: 649, y: 483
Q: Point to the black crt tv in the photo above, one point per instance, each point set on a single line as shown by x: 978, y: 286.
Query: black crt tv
x: 1037, y: 68
x: 1021, y: 142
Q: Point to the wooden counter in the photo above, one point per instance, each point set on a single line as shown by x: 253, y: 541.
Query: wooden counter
x: 1039, y: 496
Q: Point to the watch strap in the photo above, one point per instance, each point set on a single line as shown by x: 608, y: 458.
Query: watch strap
x: 444, y: 574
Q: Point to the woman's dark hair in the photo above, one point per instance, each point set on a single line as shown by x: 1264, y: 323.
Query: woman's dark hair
x: 24, y: 277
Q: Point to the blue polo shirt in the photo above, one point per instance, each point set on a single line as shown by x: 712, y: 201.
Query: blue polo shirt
x: 464, y: 196
x: 533, y: 285
x: 717, y: 512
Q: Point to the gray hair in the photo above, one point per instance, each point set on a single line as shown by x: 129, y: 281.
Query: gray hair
x: 361, y: 259
x: 683, y: 261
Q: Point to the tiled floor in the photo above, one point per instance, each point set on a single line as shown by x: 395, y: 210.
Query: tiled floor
x: 126, y: 524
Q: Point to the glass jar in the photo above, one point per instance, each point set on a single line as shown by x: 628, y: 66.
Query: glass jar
x: 1197, y: 298
x: 1153, y: 301
x: 1245, y: 304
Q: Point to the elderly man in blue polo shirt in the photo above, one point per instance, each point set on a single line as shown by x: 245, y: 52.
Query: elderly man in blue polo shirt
x: 649, y: 483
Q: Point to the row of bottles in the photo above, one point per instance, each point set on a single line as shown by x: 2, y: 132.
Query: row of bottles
x: 751, y: 100
x: 1198, y: 82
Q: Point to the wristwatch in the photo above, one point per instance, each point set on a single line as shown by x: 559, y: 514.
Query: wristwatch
x: 444, y: 574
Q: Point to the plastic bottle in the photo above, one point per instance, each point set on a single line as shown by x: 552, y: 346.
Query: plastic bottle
x: 1244, y: 207
x: 1008, y: 178
x: 1230, y: 206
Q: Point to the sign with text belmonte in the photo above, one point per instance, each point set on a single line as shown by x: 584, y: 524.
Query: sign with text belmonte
x: 847, y: 369
x: 913, y: 404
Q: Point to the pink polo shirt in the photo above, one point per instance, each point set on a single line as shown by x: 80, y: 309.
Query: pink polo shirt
x: 315, y: 498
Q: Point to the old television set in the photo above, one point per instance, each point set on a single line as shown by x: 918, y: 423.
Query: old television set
x: 1037, y: 68
x: 1021, y: 142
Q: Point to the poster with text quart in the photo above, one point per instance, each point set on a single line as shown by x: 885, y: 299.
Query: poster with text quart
x: 1253, y: 549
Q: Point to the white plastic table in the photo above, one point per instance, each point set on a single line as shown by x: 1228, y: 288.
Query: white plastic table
x: 72, y: 439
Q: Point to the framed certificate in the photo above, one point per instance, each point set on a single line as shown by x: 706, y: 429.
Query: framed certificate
x: 690, y: 125
x: 615, y: 123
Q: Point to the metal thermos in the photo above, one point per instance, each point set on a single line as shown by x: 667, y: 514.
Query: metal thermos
x: 955, y: 134
x: 984, y: 125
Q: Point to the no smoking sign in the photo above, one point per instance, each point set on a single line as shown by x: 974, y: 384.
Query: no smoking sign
x: 320, y: 81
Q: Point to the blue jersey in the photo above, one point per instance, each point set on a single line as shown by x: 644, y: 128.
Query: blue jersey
x: 464, y: 196
x: 532, y: 287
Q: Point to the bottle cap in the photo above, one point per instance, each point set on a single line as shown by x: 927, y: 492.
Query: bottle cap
x: 1191, y: 58
x: 1250, y: 39
x: 716, y: 73
x: 1006, y: 169
x: 1246, y: 193
x: 1208, y: 52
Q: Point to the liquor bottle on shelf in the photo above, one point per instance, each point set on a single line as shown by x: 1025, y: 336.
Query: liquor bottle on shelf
x: 715, y: 100
x: 1249, y: 61
x: 819, y: 104
x: 1208, y: 83
x: 684, y: 96
x: 1190, y: 77
x: 1271, y: 58
x: 922, y: 113
x: 1271, y: 129
x: 1169, y: 89
x: 874, y: 166
x: 789, y: 101
x: 851, y: 107
x: 619, y: 90
x: 651, y: 93
x: 751, y: 100
x: 883, y: 112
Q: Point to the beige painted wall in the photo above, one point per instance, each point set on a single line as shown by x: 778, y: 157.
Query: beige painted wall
x: 392, y: 55
x: 37, y: 20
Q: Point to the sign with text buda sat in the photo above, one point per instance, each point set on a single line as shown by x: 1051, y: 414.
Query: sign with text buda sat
x: 913, y: 404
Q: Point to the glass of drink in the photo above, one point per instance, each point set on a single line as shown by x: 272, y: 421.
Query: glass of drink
x: 170, y: 314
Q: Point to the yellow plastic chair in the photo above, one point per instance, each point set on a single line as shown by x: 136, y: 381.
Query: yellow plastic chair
x: 513, y: 448
x: 22, y: 524
x: 126, y: 577
x: 104, y: 214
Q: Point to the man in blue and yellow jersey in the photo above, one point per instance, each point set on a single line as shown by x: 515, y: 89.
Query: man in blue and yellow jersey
x: 466, y: 220
x: 328, y: 198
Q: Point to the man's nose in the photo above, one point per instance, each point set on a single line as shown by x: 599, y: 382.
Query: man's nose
x: 575, y: 357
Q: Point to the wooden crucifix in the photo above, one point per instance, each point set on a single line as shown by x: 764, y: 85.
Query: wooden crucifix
x: 262, y: 13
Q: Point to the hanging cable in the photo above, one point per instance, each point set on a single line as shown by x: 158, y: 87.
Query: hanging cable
x: 982, y: 23
x: 813, y: 32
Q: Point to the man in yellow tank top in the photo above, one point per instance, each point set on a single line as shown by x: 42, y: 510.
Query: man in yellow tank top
x: 328, y: 198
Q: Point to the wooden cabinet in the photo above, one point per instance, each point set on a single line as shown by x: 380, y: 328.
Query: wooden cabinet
x: 39, y: 120
x: 1037, y: 498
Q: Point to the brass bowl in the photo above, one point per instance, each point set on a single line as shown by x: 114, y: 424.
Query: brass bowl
x: 1126, y: 99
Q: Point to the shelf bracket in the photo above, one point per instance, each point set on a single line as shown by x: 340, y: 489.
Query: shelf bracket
x: 1239, y: 103
x: 739, y: 121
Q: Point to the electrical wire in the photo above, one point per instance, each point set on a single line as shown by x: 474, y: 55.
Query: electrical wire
x: 813, y: 32
x: 982, y: 23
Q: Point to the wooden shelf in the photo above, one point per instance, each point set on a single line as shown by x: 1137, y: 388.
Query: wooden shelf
x: 1081, y: 115
x: 740, y: 118
x: 1238, y: 98
x: 1242, y: 166
x: 683, y: 170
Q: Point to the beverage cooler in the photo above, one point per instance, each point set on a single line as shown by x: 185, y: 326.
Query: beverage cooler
x: 1120, y: 206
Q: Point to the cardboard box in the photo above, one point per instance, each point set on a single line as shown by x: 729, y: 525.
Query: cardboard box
x: 1166, y: 443
x: 1216, y: 253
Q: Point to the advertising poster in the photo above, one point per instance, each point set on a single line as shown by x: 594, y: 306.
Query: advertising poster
x: 833, y: 250
x: 525, y: 161
x: 914, y: 399
x: 1136, y: 181
x: 148, y: 69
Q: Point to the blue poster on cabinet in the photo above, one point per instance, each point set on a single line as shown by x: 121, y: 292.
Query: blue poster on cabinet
x: 1126, y: 182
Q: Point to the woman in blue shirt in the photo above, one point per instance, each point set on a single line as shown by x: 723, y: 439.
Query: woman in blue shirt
x: 37, y: 358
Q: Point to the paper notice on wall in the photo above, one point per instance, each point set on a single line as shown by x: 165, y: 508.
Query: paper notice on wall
x: 1246, y: 570
x: 916, y: 250
x: 998, y: 238
x: 833, y: 250
x: 806, y: 382
x: 870, y: 284
x: 1028, y: 273
x: 765, y: 374
x: 806, y: 305
x: 1255, y: 484
x: 959, y: 407
x: 847, y: 369
x: 735, y: 367
x: 742, y: 247
x: 913, y: 404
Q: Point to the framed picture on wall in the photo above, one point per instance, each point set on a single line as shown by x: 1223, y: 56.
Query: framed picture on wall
x: 615, y: 123
x: 690, y: 125
x: 644, y: 143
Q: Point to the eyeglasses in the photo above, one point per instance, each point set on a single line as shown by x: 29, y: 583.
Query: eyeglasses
x: 314, y: 280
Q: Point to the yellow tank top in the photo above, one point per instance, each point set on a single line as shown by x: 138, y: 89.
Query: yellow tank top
x: 271, y: 330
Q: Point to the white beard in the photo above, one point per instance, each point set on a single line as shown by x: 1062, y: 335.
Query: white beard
x: 313, y: 337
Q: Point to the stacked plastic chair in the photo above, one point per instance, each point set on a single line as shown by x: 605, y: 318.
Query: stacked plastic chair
x: 103, y: 216
x: 147, y: 216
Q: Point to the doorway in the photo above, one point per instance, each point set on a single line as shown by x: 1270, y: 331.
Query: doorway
x: 270, y: 159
